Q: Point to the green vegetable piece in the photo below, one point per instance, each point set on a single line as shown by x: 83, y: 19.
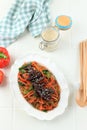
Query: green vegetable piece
x: 44, y: 110
x: 27, y: 91
x: 31, y: 88
x: 20, y: 84
x: 24, y: 66
x: 22, y: 70
x: 47, y: 73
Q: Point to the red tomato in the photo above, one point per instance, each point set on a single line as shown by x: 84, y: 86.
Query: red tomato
x: 4, y: 57
x: 1, y: 76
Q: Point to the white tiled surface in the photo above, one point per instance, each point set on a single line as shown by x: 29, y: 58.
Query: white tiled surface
x: 12, y: 116
x: 6, y: 119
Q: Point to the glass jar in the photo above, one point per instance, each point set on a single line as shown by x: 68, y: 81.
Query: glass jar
x: 50, y: 39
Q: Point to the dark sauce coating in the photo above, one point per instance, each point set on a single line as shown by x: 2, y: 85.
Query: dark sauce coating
x: 37, y: 80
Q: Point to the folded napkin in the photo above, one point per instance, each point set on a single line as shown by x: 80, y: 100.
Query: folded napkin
x: 31, y: 14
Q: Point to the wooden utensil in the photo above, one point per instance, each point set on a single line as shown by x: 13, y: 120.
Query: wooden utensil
x: 86, y: 71
x: 82, y: 92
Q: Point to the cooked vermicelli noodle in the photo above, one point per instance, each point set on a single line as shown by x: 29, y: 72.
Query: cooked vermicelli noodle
x: 38, y: 86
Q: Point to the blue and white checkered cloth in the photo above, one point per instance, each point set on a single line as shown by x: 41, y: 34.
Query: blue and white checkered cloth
x: 31, y: 14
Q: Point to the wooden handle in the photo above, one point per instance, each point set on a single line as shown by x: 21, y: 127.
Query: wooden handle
x: 81, y: 66
x: 86, y: 70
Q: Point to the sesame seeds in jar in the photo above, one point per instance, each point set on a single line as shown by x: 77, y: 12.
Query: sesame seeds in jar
x: 50, y: 38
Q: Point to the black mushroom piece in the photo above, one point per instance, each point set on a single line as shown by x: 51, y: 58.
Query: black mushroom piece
x: 37, y: 80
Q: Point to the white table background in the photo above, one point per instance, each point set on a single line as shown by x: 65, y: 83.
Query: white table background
x: 12, y: 116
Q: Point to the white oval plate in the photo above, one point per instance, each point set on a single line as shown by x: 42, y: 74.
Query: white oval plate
x: 60, y: 78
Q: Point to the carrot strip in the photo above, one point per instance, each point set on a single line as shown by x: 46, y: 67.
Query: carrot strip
x: 29, y: 94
